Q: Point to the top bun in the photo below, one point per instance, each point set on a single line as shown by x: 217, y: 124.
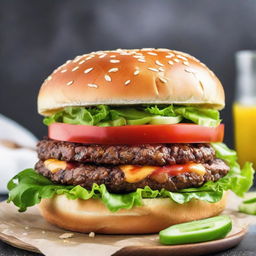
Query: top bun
x: 126, y: 77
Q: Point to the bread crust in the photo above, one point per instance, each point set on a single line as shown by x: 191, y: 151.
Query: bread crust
x: 155, y: 214
x: 131, y: 77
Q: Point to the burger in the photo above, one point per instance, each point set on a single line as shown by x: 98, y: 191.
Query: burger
x: 134, y: 144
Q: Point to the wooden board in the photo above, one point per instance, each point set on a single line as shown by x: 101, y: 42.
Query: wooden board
x: 177, y: 250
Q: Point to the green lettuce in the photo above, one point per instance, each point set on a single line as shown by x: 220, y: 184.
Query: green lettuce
x: 103, y: 115
x: 28, y: 188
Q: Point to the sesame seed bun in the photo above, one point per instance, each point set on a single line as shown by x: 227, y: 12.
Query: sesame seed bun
x: 156, y: 214
x: 126, y: 77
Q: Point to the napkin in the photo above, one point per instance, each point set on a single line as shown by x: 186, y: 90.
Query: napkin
x: 17, y: 150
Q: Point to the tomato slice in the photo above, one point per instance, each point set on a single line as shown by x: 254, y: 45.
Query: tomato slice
x: 136, y: 134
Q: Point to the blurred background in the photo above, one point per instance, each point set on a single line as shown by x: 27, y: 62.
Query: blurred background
x: 38, y: 36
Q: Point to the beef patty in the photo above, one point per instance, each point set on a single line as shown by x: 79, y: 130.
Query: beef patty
x: 113, y: 177
x: 147, y: 154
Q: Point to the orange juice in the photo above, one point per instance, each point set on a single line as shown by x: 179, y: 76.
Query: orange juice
x: 245, y: 132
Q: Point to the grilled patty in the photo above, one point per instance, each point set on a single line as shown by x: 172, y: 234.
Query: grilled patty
x: 147, y: 154
x: 114, y: 179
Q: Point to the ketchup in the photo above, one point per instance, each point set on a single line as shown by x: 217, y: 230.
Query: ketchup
x: 173, y: 170
x: 161, y: 174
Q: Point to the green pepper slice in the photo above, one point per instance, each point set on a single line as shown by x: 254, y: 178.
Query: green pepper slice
x: 248, y: 206
x: 197, y: 231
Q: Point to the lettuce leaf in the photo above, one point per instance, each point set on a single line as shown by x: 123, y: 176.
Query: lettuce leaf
x: 28, y: 188
x: 103, y: 115
x: 238, y: 180
x: 201, y: 116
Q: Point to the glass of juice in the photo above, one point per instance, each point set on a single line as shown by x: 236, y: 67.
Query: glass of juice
x: 244, y: 108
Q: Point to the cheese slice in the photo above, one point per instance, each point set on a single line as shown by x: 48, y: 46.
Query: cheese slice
x: 55, y: 165
x: 197, y: 168
x: 135, y: 173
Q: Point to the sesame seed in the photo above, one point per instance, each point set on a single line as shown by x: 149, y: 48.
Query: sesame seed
x: 163, y: 80
x: 99, y: 52
x: 153, y: 69
x: 170, y: 55
x: 163, y: 50
x: 152, y: 53
x: 137, y: 56
x: 176, y: 60
x: 170, y: 62
x: 25, y: 234
x: 61, y: 66
x: 49, y: 78
x: 136, y: 72
x: 112, y: 56
x: 81, y: 62
x: 141, y: 60
x: 88, y: 70
x: 63, y: 71
x: 92, y: 85
x: 124, y: 53
x: 107, y: 78
x: 88, y: 58
x: 113, y: 70
x: 55, y: 71
x: 127, y: 82
x: 159, y: 63
x: 102, y: 56
x: 161, y: 69
x: 75, y: 68
x: 148, y: 49
x: 190, y: 70
x: 43, y: 232
x: 114, y: 61
x: 181, y: 57
x: 68, y: 61
x: 186, y: 63
x: 70, y: 82
x: 77, y: 59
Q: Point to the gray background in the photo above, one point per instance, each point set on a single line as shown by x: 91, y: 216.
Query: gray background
x: 37, y: 36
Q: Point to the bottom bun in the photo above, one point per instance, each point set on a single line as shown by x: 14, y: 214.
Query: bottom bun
x: 156, y: 214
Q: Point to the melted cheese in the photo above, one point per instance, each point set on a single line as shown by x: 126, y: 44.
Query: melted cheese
x: 135, y: 173
x: 55, y: 165
x: 197, y: 168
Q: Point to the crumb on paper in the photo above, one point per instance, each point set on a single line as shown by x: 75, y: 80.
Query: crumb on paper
x: 66, y: 235
x: 92, y: 234
x: 43, y: 232
x: 26, y: 227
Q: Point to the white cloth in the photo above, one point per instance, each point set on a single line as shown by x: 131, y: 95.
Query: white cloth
x: 13, y: 161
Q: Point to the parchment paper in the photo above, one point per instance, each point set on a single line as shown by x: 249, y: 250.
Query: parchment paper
x: 30, y: 228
